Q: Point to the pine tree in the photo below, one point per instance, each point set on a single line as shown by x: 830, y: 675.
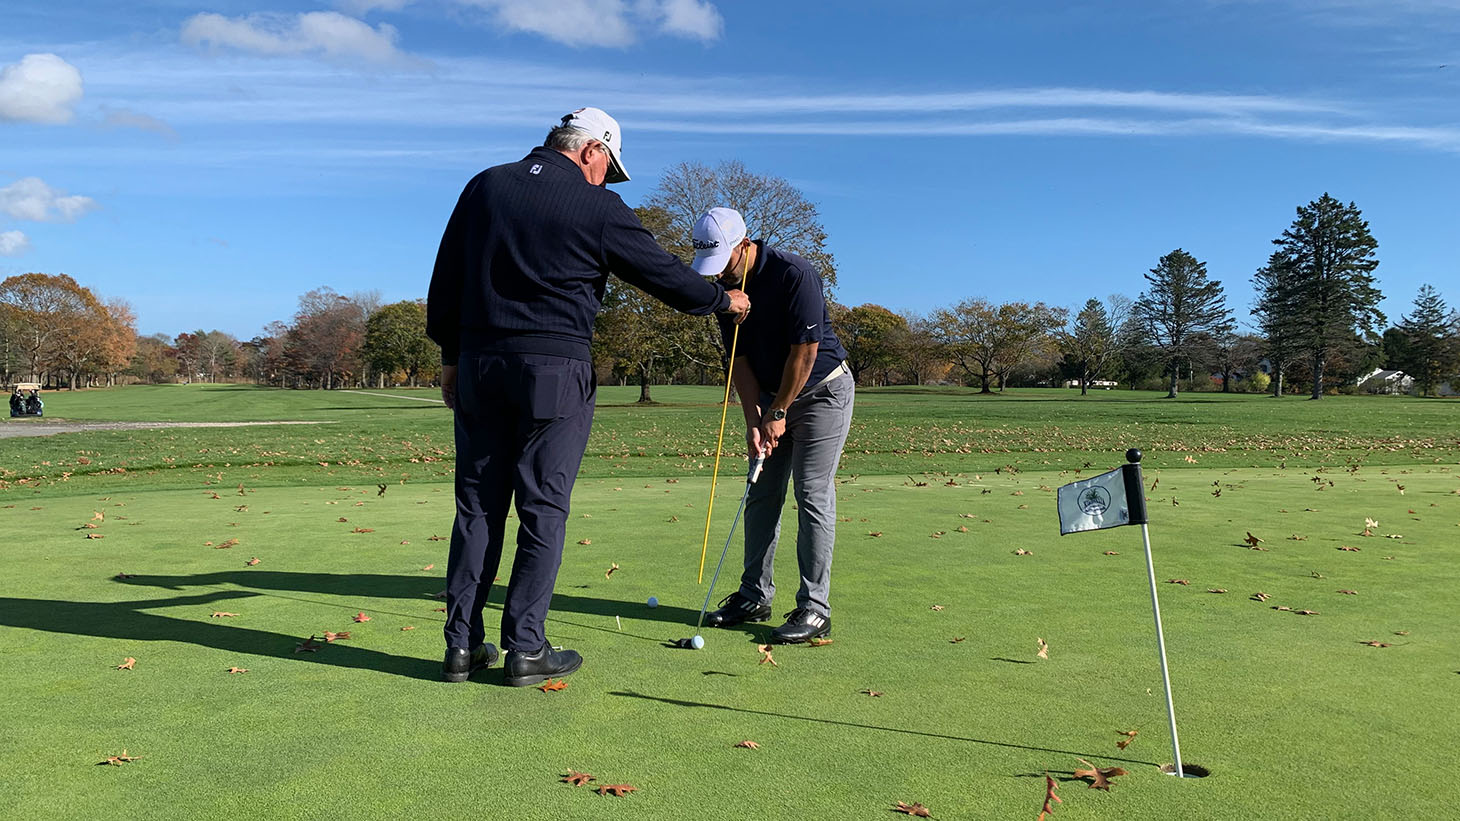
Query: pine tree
x: 1430, y: 333
x: 1182, y: 311
x: 1328, y: 291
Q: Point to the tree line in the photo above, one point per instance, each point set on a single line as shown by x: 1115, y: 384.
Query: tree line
x: 1314, y: 324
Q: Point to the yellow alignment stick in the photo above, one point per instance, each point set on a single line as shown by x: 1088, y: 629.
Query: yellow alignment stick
x: 724, y: 408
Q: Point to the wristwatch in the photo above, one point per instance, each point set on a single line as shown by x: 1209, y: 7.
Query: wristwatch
x: 778, y: 414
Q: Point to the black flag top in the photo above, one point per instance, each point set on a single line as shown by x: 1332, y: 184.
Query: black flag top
x: 1108, y: 500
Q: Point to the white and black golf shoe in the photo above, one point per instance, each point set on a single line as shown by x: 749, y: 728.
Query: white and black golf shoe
x: 736, y: 609
x: 801, y: 624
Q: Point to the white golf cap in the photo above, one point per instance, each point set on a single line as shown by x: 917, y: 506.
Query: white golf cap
x: 604, y: 129
x: 715, y: 235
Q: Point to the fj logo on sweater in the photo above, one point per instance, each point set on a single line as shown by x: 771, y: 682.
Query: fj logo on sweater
x: 535, y: 169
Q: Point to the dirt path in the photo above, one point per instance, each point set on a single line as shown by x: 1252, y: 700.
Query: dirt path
x: 14, y: 430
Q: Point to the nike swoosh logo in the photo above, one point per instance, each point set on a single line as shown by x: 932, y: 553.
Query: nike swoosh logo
x: 809, y: 327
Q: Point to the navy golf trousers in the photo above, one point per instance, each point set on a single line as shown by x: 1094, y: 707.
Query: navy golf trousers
x: 522, y: 423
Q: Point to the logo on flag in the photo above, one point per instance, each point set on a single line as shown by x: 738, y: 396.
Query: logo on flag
x: 1094, y: 501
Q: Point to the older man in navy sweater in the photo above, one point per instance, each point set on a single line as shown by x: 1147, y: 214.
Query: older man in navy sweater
x: 518, y: 281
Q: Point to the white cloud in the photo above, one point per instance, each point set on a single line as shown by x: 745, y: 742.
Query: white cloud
x: 609, y: 23
x: 698, y: 19
x: 31, y: 199
x: 574, y: 22
x: 13, y: 243
x: 41, y: 88
x: 323, y: 33
x: 127, y: 118
x: 360, y: 8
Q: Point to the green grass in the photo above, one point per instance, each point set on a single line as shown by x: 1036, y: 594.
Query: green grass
x: 1294, y: 716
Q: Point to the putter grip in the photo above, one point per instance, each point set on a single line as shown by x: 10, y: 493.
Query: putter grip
x: 755, y: 466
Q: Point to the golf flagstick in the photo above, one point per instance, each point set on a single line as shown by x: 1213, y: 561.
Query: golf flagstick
x: 720, y: 440
x: 1084, y: 505
x: 750, y: 478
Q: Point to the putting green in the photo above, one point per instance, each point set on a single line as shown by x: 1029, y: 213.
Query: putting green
x: 1294, y: 715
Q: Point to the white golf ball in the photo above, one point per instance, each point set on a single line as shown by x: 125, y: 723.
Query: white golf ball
x: 698, y: 642
x: 653, y: 601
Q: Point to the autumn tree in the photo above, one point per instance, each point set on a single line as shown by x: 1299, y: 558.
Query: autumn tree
x: 44, y: 312
x: 1329, y: 294
x: 1234, y: 352
x: 155, y: 360
x: 396, y: 342
x: 1431, y: 348
x: 639, y: 334
x: 917, y: 350
x: 869, y: 333
x: 1181, y: 311
x: 987, y: 341
x: 328, y: 332
x: 774, y: 210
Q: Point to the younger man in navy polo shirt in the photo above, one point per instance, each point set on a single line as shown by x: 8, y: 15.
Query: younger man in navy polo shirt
x: 796, y: 393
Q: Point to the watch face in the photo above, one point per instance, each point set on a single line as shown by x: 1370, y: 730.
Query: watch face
x: 778, y: 414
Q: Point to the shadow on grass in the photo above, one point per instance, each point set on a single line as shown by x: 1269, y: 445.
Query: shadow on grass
x: 836, y: 722
x: 127, y: 620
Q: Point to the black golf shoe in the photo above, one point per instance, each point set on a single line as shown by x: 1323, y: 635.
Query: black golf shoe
x: 460, y: 664
x: 736, y: 609
x: 526, y: 669
x: 801, y: 624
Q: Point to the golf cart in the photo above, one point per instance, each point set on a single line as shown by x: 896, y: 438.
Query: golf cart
x: 25, y: 400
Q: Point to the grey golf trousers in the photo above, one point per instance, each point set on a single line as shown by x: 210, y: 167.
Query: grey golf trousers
x: 816, y: 430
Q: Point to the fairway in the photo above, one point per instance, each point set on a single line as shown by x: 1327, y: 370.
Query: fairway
x: 1296, y: 716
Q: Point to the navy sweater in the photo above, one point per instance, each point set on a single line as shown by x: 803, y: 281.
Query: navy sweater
x: 527, y: 253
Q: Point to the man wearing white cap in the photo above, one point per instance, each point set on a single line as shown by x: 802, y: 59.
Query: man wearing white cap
x: 797, y: 394
x: 518, y: 281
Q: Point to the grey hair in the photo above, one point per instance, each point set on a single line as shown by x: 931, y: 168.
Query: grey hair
x: 567, y: 138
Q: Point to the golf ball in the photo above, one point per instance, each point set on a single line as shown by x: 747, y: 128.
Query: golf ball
x: 698, y: 642
x: 653, y: 601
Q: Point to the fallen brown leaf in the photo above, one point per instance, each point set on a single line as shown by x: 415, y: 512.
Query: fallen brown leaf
x: 237, y: 669
x: 818, y: 642
x: 576, y: 778
x: 1178, y: 581
x: 360, y: 618
x: 309, y: 645
x: 331, y: 636
x: 119, y: 760
x: 748, y: 744
x: 1216, y: 589
x: 1130, y: 735
x: 617, y: 790
x: 1376, y: 643
x: 1349, y: 592
x: 429, y: 567
x: 872, y: 693
x: 765, y: 653
x: 585, y: 541
x: 251, y: 562
x: 957, y: 639
x: 608, y: 574
x: 1260, y: 596
x: 1252, y: 540
x: 1099, y: 776
x: 1043, y: 648
x: 914, y: 808
x: 553, y: 685
x: 936, y: 607
x: 127, y: 663
x: 220, y: 614
x: 1050, y: 786
x: 1022, y: 552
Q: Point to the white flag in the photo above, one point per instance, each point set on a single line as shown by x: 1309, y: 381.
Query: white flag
x: 1094, y: 503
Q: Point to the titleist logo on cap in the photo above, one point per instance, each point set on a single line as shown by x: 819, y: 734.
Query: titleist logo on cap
x: 702, y: 244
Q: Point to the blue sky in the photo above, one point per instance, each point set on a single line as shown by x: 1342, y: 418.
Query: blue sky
x: 211, y: 161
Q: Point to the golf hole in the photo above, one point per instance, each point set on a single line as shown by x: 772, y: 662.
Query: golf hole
x: 1188, y: 770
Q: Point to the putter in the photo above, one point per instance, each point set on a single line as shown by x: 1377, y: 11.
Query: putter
x: 754, y: 474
